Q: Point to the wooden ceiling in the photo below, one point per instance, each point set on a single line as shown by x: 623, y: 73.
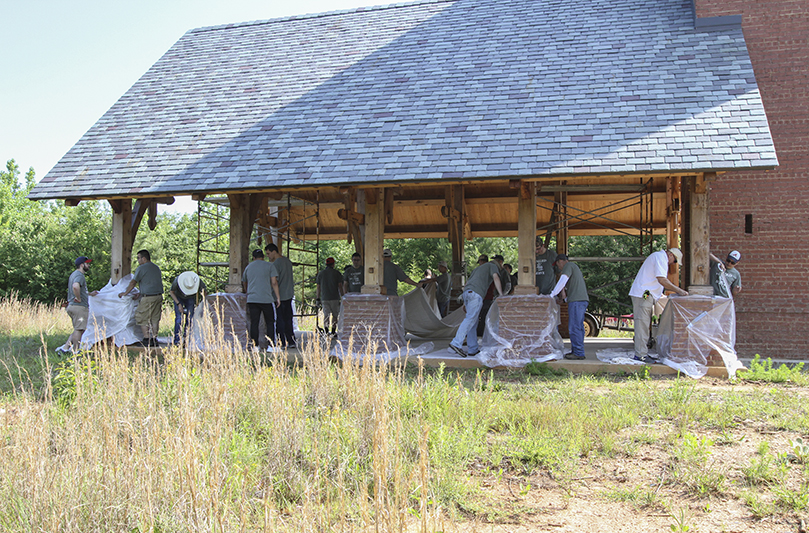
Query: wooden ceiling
x: 590, y: 206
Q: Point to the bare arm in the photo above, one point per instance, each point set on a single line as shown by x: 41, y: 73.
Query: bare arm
x: 664, y: 281
x: 274, y: 282
x: 497, y: 284
x: 128, y: 289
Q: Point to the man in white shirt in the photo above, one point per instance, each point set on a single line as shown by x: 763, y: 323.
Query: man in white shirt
x: 647, y: 288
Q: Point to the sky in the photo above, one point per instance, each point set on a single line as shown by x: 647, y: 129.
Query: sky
x: 66, y: 62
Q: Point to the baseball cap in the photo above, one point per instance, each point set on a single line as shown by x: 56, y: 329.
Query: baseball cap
x: 734, y: 256
x: 83, y: 259
x: 561, y: 257
x: 678, y: 255
x: 257, y: 253
x: 329, y: 260
x: 499, y: 257
x: 387, y: 253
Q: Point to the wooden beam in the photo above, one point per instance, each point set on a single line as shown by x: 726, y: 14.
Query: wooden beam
x: 72, y: 202
x: 153, y: 215
x: 351, y: 216
x: 121, y: 245
x: 563, y: 231
x: 374, y: 237
x: 454, y: 209
x: 700, y: 229
x: 241, y: 225
x: 673, y: 223
x: 142, y: 205
x: 526, y: 239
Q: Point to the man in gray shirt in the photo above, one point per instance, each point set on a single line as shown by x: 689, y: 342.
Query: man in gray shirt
x: 725, y: 278
x: 260, y: 283
x: 573, y: 289
x: 329, y: 291
x: 473, y: 293
x: 149, y: 280
x: 286, y: 287
x: 393, y: 274
x: 78, y: 305
x: 545, y: 275
x: 354, y: 275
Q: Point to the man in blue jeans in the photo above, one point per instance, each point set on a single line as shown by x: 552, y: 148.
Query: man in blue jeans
x: 185, y: 290
x: 571, y: 285
x: 473, y: 293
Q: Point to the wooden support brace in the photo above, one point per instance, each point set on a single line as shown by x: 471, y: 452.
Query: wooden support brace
x: 526, y: 239
x: 374, y: 238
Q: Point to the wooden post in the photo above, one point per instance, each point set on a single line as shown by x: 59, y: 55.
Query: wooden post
x: 121, y: 249
x: 374, y: 237
x: 700, y: 238
x: 239, y: 244
x: 526, y: 239
x: 562, y: 232
x: 673, y: 222
x: 454, y: 210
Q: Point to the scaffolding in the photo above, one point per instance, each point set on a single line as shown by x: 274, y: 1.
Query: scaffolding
x: 564, y: 216
x: 288, y: 233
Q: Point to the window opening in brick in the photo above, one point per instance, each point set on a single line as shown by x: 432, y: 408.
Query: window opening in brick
x: 748, y: 224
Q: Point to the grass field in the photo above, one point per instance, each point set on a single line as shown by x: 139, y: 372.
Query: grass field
x: 120, y: 441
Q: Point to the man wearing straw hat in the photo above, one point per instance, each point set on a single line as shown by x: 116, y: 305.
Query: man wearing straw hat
x: 185, y: 291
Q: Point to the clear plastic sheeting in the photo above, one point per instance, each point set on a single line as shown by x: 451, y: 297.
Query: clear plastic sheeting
x: 691, y: 328
x: 221, y: 324
x: 371, y: 325
x: 528, y: 333
x: 112, y: 317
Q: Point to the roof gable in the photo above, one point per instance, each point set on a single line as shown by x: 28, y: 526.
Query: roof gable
x: 466, y: 89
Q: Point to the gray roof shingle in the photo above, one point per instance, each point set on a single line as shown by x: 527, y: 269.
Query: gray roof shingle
x: 430, y: 90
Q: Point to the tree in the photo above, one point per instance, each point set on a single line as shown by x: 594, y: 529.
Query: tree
x: 605, y: 294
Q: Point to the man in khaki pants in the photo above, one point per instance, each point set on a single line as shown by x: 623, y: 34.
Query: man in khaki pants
x: 149, y: 280
x: 647, y: 288
x: 78, y: 305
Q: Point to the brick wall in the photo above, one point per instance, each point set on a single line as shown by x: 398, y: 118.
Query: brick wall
x: 529, y: 323
x: 773, y: 308
x: 374, y: 320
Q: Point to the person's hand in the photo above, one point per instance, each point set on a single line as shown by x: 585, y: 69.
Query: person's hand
x: 94, y: 293
x: 121, y: 294
x: 682, y: 292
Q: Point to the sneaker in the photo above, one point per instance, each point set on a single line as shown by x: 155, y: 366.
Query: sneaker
x: 473, y: 354
x: 273, y: 349
x: 648, y: 360
x: 574, y: 357
x: 154, y: 342
x: 458, y: 351
x: 61, y: 352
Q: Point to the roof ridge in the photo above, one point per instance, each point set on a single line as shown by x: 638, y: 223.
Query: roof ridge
x: 324, y: 14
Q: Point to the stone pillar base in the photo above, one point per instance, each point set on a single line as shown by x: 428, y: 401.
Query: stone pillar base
x: 373, y: 323
x: 529, y: 323
x: 684, y: 345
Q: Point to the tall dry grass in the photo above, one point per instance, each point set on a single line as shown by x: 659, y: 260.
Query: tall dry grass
x: 228, y: 443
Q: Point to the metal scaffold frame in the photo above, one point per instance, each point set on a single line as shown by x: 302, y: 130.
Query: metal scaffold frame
x: 213, y: 233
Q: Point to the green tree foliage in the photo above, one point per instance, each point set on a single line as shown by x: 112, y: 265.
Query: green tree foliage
x: 611, y: 299
x: 172, y: 244
x: 39, y: 241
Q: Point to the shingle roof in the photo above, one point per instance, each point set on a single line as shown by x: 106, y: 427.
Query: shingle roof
x: 431, y: 90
